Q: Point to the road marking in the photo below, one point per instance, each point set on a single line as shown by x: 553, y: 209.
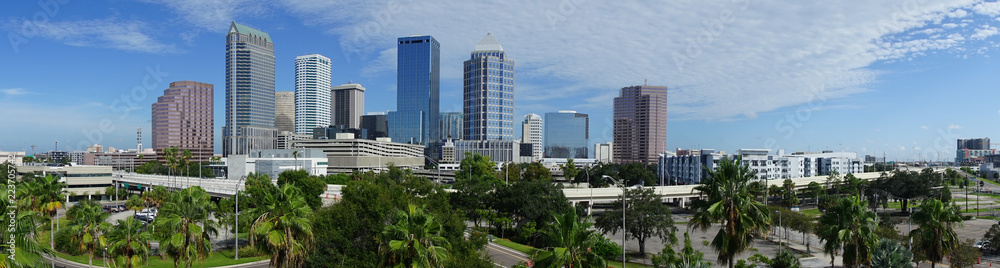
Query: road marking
x: 505, y: 251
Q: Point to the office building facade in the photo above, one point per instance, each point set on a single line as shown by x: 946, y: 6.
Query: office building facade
x: 347, y: 104
x: 284, y: 111
x: 488, y: 95
x: 183, y: 118
x: 640, y: 124
x: 312, y: 94
x: 531, y: 133
x: 375, y: 125
x: 418, y: 75
x: 450, y: 125
x: 567, y: 135
x: 249, y: 91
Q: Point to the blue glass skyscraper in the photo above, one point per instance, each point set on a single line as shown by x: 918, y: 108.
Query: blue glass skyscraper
x: 489, y: 93
x: 567, y: 135
x: 418, y: 72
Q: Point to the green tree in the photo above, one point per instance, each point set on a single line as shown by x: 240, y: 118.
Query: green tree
x: 636, y: 174
x: 531, y: 202
x: 510, y: 172
x: 965, y: 255
x: 536, y: 171
x: 184, y: 227
x: 474, y: 181
x: 743, y: 218
x: 935, y: 236
x: 571, y: 241
x: 284, y: 228
x: 849, y: 225
x: 45, y: 195
x: 645, y: 216
x: 310, y: 186
x: 27, y: 251
x: 87, y: 225
x: 788, y: 196
x: 128, y: 243
x: 569, y: 170
x: 170, y: 154
x: 186, y: 161
x: 135, y: 203
x: 993, y: 236
x: 785, y: 259
x: 414, y: 240
x: 814, y: 190
x: 688, y: 257
x: 891, y: 254
x: 156, y: 196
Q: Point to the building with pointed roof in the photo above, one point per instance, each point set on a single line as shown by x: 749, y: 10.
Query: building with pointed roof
x: 488, y: 106
x: 250, y: 112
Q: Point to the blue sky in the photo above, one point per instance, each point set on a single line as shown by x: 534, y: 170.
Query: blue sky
x: 903, y: 78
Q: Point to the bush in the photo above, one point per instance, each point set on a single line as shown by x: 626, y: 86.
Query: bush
x: 606, y: 248
x: 64, y: 242
x: 248, y: 251
x: 785, y: 259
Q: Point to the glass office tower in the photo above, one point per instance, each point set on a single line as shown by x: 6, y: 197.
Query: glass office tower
x: 489, y: 93
x: 567, y: 135
x: 249, y: 91
x: 415, y: 120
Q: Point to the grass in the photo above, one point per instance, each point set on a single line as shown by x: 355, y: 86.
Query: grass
x: 542, y: 253
x: 811, y: 211
x: 618, y: 264
x: 218, y: 258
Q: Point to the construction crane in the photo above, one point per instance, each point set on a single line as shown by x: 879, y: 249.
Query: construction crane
x: 33, y: 150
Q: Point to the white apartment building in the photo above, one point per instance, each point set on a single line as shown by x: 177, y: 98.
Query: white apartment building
x: 687, y: 166
x: 531, y: 132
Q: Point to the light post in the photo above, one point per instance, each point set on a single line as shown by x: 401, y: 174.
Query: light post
x: 779, y: 225
x: 590, y: 207
x: 236, y: 218
x: 622, y: 184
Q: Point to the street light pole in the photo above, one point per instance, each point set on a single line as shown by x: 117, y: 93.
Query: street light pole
x: 622, y: 184
x: 236, y: 256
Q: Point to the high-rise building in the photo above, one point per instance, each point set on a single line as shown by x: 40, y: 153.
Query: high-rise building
x: 531, y: 133
x: 347, y: 105
x: 418, y: 76
x: 183, y: 118
x: 312, y: 93
x: 567, y: 135
x: 640, y: 124
x: 451, y: 125
x: 974, y: 144
x: 375, y: 125
x: 249, y: 91
x: 284, y: 111
x: 489, y: 93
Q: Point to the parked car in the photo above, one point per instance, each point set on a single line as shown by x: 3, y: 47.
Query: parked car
x: 982, y: 245
x: 145, y: 217
x: 111, y: 209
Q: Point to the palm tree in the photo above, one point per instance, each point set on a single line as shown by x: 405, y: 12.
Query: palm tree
x: 295, y: 154
x: 135, y: 203
x: 157, y: 196
x: 743, y: 218
x: 849, y: 224
x: 45, y: 195
x: 27, y: 251
x: 184, y: 226
x: 936, y: 235
x: 891, y: 254
x: 572, y: 241
x: 129, y: 243
x: 88, y: 226
x: 186, y: 161
x: 415, y: 240
x: 284, y: 228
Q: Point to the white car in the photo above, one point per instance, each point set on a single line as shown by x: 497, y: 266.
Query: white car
x: 982, y: 244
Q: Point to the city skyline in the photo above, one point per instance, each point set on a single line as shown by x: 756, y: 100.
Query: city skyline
x: 872, y: 80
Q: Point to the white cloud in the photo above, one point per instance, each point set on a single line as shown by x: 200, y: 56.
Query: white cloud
x: 102, y: 33
x: 954, y: 126
x: 902, y: 148
x: 13, y: 91
x: 215, y: 15
x: 984, y: 32
x: 987, y: 8
x: 916, y: 148
x: 924, y: 127
x: 958, y: 13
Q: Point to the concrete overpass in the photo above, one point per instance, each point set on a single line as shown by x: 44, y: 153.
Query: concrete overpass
x: 215, y: 187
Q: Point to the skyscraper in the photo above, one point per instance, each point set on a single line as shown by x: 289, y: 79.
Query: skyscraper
x: 183, y: 118
x: 374, y: 125
x: 567, y: 135
x: 640, y: 124
x: 347, y: 105
x: 312, y: 93
x: 531, y: 132
x: 418, y: 72
x: 489, y: 93
x: 451, y: 125
x: 249, y: 91
x: 284, y: 111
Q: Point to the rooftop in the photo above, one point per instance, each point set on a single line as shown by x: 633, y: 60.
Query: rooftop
x: 243, y: 29
x: 488, y: 44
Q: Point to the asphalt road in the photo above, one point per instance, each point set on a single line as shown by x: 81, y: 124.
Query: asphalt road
x: 503, y: 256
